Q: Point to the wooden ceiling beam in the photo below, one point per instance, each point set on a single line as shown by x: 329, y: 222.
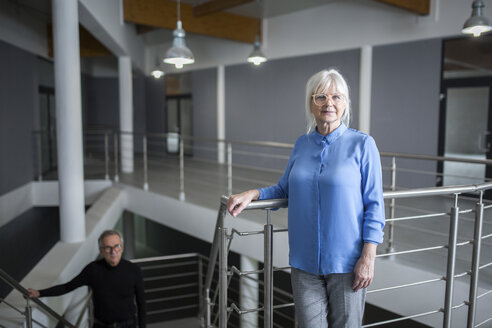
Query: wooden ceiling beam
x: 215, y: 6
x: 163, y: 14
x: 421, y: 7
x: 88, y: 44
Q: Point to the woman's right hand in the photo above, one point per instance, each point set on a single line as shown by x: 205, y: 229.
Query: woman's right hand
x: 238, y: 202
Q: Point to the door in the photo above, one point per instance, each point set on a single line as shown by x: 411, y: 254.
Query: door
x: 179, y: 121
x: 466, y: 121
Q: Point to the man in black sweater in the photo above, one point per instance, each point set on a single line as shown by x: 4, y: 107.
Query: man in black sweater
x: 116, y: 284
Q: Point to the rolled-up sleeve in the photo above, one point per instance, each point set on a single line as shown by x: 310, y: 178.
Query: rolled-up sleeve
x: 372, y: 193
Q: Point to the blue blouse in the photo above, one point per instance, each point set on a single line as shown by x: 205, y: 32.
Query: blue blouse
x: 335, y: 192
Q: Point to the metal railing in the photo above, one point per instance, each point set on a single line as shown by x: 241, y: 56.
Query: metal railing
x: 26, y: 312
x: 223, y: 238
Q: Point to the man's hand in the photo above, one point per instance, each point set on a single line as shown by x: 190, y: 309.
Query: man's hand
x: 238, y: 202
x: 364, y: 268
x: 33, y: 293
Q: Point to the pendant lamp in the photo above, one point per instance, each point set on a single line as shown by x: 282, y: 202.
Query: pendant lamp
x: 257, y: 57
x: 157, y: 72
x: 477, y: 23
x: 179, y: 54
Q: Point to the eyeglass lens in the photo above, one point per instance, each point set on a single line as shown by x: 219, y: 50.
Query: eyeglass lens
x: 109, y: 249
x: 321, y: 98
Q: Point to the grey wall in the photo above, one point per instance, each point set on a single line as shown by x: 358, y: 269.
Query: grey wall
x: 101, y: 99
x: 18, y: 99
x: 405, y: 103
x: 204, y: 91
x: 155, y: 94
x: 266, y: 103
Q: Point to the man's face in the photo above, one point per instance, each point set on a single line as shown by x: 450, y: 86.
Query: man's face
x: 112, y: 249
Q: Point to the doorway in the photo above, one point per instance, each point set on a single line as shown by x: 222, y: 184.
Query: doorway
x: 179, y: 122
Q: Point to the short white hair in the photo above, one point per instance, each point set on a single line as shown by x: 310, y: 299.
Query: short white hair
x: 322, y: 81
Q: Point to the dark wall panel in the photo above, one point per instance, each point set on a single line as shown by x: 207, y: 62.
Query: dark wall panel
x: 405, y: 103
x: 18, y: 99
x: 204, y: 88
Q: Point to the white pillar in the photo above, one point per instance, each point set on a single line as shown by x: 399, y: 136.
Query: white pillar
x: 249, y: 293
x: 69, y: 120
x: 220, y: 113
x: 126, y: 113
x: 365, y: 89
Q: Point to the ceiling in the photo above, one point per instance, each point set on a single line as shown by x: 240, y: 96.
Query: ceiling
x: 461, y: 54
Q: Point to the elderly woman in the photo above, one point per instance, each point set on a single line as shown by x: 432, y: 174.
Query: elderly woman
x: 336, y: 208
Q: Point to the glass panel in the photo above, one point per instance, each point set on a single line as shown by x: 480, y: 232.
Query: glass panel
x: 44, y: 127
x: 466, y: 132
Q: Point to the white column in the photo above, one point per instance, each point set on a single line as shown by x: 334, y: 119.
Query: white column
x: 249, y: 293
x: 365, y: 89
x: 126, y: 113
x: 220, y: 113
x: 69, y: 120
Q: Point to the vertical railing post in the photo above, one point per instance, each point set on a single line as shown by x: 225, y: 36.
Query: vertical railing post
x: 106, y: 155
x: 39, y: 156
x: 115, y: 145
x: 200, y: 287
x: 229, y: 168
x: 477, y: 242
x: 391, y: 230
x: 268, y: 274
x: 145, y: 172
x: 28, y: 314
x: 208, y: 309
x: 451, y: 262
x: 182, y: 196
x: 223, y: 278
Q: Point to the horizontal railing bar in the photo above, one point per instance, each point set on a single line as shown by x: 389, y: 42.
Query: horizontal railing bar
x: 169, y: 265
x: 484, y: 294
x: 423, y: 216
x: 281, y: 268
x: 170, y: 298
x: 252, y: 153
x: 169, y: 276
x: 401, y: 318
x: 167, y: 257
x: 484, y: 322
x: 13, y: 307
x: 280, y: 306
x: 244, y: 273
x: 485, y: 265
x: 179, y: 308
x: 235, y: 308
x: 411, y: 251
x: 459, y: 275
x: 160, y: 289
x: 246, y: 233
x: 405, y: 285
x: 459, y: 305
x: 487, y: 236
x: 435, y: 158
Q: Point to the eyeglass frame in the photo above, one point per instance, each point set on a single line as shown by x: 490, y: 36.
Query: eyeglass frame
x: 109, y: 249
x: 328, y: 96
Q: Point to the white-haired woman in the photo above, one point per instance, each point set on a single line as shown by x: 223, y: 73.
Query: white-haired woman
x: 336, y: 208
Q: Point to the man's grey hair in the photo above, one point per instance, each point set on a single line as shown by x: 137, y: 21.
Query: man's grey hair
x: 109, y: 233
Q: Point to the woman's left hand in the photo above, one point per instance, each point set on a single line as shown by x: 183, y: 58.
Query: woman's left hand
x: 364, y: 268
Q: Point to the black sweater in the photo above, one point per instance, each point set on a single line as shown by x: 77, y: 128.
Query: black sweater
x: 114, y: 290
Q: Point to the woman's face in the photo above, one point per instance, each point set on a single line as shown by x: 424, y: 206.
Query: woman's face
x: 328, y: 106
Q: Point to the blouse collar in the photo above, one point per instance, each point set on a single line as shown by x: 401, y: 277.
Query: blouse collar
x: 330, y: 138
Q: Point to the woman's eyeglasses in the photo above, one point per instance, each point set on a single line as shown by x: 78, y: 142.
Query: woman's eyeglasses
x: 321, y: 99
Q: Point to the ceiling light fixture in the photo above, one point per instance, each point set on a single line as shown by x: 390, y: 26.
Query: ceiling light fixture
x: 179, y: 54
x: 157, y: 72
x: 257, y: 57
x: 477, y: 23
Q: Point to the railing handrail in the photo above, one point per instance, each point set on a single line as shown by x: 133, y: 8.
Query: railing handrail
x: 168, y: 257
x: 290, y: 145
x: 45, y: 308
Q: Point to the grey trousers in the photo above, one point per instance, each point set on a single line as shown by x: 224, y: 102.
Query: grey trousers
x: 327, y: 301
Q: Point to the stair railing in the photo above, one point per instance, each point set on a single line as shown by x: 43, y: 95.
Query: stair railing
x: 27, y: 311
